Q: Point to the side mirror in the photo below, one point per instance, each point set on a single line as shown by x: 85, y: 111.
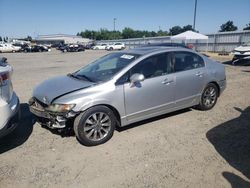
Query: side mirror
x: 136, y: 78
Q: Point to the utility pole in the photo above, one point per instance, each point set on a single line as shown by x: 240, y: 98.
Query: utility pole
x: 114, y: 23
x: 194, y: 14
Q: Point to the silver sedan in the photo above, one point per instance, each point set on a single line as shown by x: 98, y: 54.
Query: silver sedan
x: 126, y: 87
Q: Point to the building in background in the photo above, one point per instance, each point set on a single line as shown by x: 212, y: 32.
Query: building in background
x: 61, y: 39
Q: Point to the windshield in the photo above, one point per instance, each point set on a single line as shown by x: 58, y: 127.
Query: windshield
x: 106, y: 67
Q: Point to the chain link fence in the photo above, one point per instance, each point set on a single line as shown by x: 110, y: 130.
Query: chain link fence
x: 217, y: 42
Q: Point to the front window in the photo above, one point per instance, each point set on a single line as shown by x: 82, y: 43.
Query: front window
x: 105, y: 68
x: 157, y: 65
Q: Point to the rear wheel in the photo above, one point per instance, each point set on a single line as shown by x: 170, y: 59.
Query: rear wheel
x: 209, y: 97
x: 95, y: 126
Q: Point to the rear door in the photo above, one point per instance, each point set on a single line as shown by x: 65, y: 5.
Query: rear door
x: 189, y: 71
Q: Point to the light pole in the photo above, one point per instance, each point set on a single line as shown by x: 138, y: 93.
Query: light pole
x: 114, y: 23
x: 194, y: 14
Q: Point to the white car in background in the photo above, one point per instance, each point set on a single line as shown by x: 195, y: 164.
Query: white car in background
x: 9, y: 102
x: 100, y: 46
x: 7, y: 47
x: 116, y: 46
x: 16, y: 48
x: 241, y: 52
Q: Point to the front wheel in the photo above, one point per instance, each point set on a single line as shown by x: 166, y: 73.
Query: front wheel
x: 95, y: 126
x: 209, y: 97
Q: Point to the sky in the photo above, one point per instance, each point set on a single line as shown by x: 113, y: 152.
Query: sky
x: 19, y: 18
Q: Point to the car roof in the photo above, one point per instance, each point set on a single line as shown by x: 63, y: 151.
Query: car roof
x: 148, y: 50
x: 166, y: 44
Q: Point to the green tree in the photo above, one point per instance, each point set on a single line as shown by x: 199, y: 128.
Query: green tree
x: 1, y: 38
x: 247, y: 27
x: 175, y: 30
x: 187, y: 28
x: 128, y: 33
x: 162, y: 33
x: 228, y: 26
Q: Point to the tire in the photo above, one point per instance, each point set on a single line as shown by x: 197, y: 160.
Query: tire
x: 209, y: 97
x: 95, y: 126
x: 234, y: 59
x: 111, y: 49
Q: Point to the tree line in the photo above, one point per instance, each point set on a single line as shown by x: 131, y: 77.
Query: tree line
x: 127, y: 32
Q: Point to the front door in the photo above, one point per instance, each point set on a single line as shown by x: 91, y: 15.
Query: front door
x: 155, y: 94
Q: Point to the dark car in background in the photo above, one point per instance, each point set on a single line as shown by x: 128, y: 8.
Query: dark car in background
x: 35, y: 48
x: 89, y: 46
x: 72, y: 48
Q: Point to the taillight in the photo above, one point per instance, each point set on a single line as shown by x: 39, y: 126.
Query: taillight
x: 4, y: 77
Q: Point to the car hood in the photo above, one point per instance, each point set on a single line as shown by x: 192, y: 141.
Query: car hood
x: 56, y: 87
x: 242, y: 48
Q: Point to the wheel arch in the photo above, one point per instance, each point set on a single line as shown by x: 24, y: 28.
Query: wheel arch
x: 217, y: 85
x: 113, y: 109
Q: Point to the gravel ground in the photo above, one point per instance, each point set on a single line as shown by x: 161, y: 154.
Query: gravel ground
x: 188, y: 148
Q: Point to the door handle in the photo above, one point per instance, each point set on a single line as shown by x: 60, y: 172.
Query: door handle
x: 167, y: 82
x: 200, y: 74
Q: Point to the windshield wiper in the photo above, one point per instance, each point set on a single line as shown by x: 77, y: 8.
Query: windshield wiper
x: 81, y: 77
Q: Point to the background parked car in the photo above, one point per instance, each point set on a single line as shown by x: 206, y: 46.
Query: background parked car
x: 9, y: 102
x: 8, y: 47
x: 99, y: 46
x: 73, y: 48
x: 116, y: 46
x: 241, y: 53
x: 89, y: 46
x: 16, y: 48
x: 36, y: 48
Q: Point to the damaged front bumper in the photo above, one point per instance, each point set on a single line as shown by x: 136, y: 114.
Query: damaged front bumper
x: 53, y: 120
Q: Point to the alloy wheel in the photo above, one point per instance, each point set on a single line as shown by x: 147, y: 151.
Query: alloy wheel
x: 97, y: 126
x: 209, y: 97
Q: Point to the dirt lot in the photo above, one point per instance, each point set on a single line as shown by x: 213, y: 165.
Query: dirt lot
x: 188, y: 148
